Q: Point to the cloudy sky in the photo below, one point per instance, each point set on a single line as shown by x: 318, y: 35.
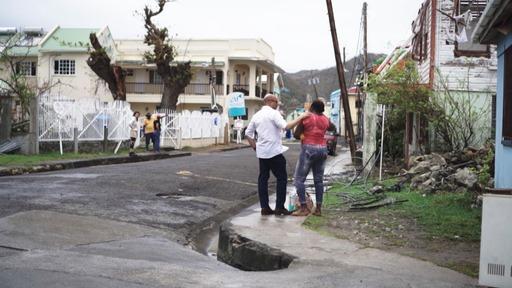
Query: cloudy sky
x: 298, y: 30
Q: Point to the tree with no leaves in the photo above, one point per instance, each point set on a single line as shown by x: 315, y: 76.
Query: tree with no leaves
x: 14, y: 84
x: 175, y: 76
x: 114, y: 75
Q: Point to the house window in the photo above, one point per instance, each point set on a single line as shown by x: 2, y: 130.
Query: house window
x: 219, y: 77
x: 468, y: 48
x: 420, y: 39
x: 27, y: 68
x: 64, y: 67
x: 129, y: 72
x: 154, y: 77
x: 507, y: 99
x: 238, y: 78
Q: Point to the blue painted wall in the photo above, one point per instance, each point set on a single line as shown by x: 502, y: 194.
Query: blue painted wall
x: 503, y: 163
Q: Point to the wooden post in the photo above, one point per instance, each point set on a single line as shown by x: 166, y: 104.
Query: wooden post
x: 365, y: 38
x: 105, y: 139
x: 361, y: 98
x: 75, y: 140
x: 341, y: 79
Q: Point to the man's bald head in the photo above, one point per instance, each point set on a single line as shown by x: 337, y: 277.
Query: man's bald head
x: 271, y: 100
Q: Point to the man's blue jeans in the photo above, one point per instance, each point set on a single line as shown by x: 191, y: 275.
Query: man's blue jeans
x: 312, y: 157
x: 277, y: 165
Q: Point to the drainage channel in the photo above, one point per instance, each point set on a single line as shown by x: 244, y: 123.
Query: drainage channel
x: 217, y: 240
x: 236, y: 250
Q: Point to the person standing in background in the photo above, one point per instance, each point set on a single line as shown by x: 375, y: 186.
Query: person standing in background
x: 134, y: 132
x: 156, y: 134
x: 149, y: 129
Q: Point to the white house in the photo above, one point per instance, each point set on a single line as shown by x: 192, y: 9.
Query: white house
x: 62, y: 63
x: 244, y: 65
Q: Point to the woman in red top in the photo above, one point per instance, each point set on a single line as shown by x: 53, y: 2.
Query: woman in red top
x: 312, y: 157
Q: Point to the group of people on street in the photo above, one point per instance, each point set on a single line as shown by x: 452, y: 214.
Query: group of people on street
x: 264, y: 136
x: 151, y: 128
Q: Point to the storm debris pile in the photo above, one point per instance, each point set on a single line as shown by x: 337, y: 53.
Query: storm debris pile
x: 467, y: 170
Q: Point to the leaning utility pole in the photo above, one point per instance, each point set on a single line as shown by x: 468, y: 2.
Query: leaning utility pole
x: 362, y: 98
x: 341, y: 78
x: 365, y: 41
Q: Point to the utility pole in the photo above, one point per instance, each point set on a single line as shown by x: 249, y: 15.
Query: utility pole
x: 362, y: 98
x: 341, y: 78
x: 365, y: 41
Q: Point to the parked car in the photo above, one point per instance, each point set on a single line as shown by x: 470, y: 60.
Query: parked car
x: 332, y: 141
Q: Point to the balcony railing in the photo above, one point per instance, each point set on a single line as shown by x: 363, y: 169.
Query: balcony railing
x: 192, y: 88
x: 241, y: 88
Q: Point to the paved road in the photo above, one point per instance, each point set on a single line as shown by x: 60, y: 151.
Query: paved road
x: 105, y: 227
x: 195, y: 189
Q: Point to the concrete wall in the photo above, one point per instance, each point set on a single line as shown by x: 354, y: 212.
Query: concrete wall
x: 370, y: 128
x: 503, y: 162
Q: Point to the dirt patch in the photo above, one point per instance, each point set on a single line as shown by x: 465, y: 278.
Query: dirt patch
x: 386, y: 230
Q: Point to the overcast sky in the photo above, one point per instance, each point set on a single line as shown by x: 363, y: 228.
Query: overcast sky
x: 297, y: 30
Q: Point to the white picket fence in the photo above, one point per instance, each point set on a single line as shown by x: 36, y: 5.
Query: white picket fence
x: 59, y: 118
x: 189, y: 125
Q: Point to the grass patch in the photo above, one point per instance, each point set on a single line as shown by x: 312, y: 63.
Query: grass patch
x: 445, y: 215
x: 11, y: 160
x: 442, y: 228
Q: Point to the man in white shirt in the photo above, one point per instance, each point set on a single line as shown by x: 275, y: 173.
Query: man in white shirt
x: 264, y: 136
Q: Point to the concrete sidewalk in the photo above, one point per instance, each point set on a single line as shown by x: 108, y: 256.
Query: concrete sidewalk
x: 376, y: 268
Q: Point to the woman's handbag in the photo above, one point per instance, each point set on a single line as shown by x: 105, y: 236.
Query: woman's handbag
x: 298, y: 131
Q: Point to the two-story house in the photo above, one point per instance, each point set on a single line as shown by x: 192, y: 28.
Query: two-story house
x: 62, y: 63
x: 20, y: 48
x: 451, y: 64
x: 240, y: 65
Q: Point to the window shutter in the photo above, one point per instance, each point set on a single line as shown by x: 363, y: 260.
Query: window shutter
x: 56, y: 67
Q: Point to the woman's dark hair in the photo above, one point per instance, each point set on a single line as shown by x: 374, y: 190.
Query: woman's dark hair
x: 317, y: 107
x: 134, y: 113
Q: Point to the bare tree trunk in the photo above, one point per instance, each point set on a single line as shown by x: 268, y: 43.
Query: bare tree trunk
x: 168, y: 100
x: 33, y: 148
x: 5, y: 117
x: 114, y: 75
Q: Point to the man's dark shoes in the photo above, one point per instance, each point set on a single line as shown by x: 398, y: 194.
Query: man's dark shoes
x: 267, y: 211
x: 282, y: 211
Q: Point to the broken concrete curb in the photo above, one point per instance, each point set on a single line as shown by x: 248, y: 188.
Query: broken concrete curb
x: 12, y: 171
x: 249, y: 255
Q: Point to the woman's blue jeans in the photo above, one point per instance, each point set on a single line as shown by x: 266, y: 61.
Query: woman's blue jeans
x: 312, y: 157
